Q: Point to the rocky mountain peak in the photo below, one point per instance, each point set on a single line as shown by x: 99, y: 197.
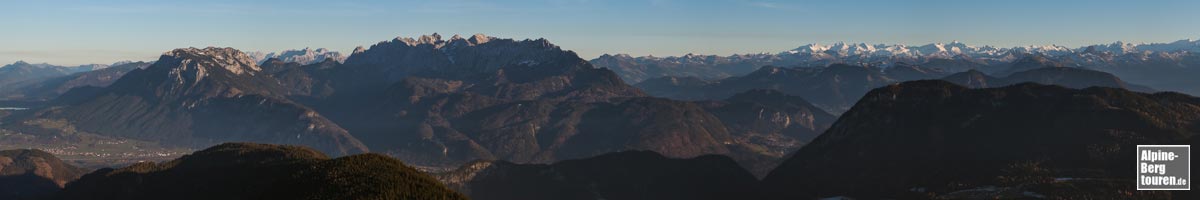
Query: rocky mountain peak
x: 430, y: 39
x: 436, y: 41
x: 479, y: 39
x: 433, y: 39
x: 229, y: 59
x: 462, y: 56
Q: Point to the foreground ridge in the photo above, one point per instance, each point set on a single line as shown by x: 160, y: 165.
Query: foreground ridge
x: 226, y: 171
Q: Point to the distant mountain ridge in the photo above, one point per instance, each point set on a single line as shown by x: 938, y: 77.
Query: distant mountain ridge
x: 1157, y: 65
x: 807, y: 55
x: 22, y: 74
x: 303, y: 56
x: 49, y: 87
x: 837, y: 87
x: 833, y: 88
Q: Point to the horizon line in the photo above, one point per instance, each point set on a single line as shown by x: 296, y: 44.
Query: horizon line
x: 250, y: 50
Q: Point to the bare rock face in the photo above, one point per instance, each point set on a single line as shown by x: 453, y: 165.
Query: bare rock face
x: 30, y: 174
x: 199, y: 60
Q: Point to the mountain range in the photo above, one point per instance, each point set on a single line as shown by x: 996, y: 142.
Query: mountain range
x: 50, y: 83
x: 495, y: 118
x: 920, y: 139
x: 1157, y: 65
x: 837, y: 87
x: 428, y: 101
x: 447, y: 102
x: 40, y: 82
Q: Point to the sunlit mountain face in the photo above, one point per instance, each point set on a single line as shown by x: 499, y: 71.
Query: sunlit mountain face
x: 629, y: 100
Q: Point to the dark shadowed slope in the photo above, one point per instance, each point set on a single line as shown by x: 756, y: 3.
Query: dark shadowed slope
x: 33, y: 174
x: 767, y: 125
x: 934, y: 138
x: 626, y: 175
x: 261, y: 171
x: 1028, y: 62
x: 1069, y: 77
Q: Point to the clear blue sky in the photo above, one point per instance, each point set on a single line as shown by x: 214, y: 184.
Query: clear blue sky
x: 76, y: 32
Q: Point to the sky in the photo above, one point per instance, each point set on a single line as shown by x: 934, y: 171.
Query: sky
x: 80, y: 32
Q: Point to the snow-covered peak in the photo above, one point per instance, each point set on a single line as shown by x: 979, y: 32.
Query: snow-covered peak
x: 810, y: 49
x: 842, y: 49
x: 303, y: 56
x: 1055, y: 50
x: 121, y: 62
x: 307, y: 55
x: 1118, y: 48
x: 436, y: 41
x: 1180, y: 45
x: 885, y: 54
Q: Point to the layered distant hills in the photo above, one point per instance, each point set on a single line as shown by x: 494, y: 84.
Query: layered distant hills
x: 40, y: 82
x: 1165, y: 66
x: 837, y: 87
